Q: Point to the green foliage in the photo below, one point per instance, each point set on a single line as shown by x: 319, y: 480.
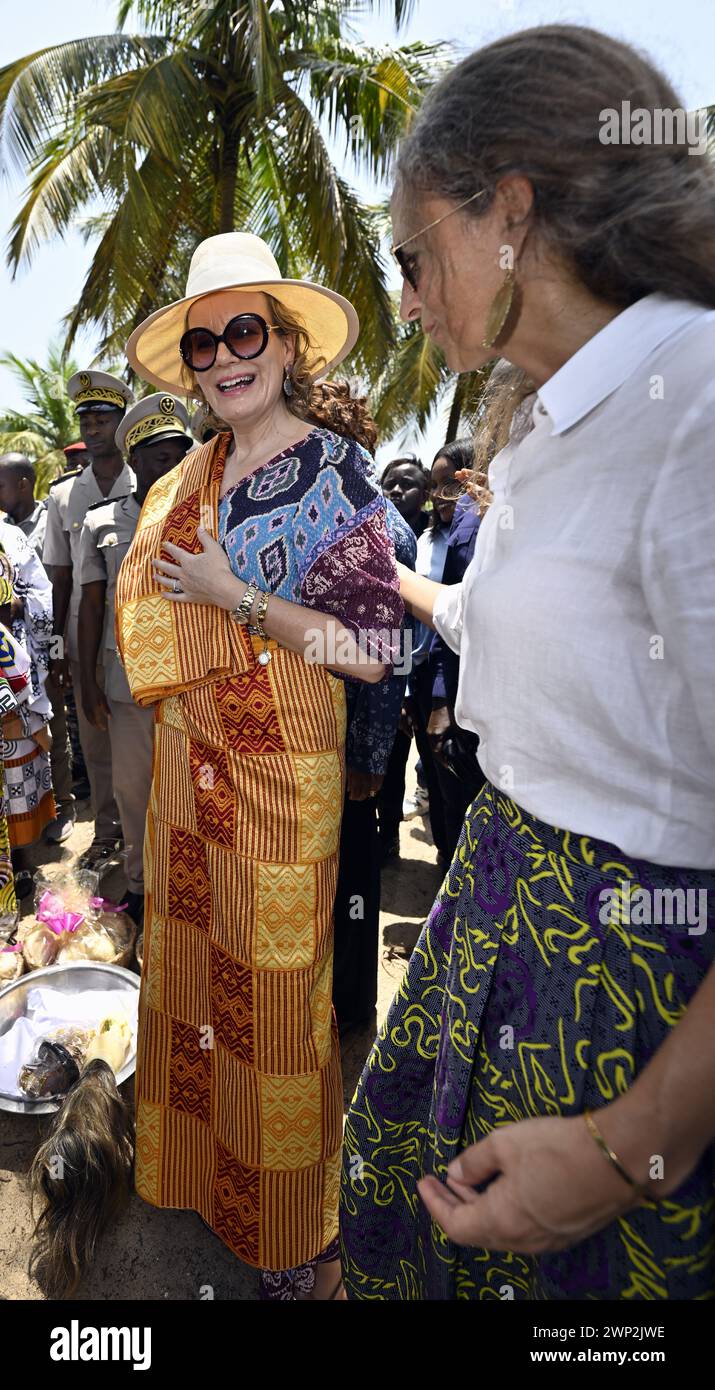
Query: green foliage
x: 417, y: 381
x: 213, y: 119
x: 48, y: 423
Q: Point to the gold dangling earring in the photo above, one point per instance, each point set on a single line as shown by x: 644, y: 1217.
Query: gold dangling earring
x: 499, y: 309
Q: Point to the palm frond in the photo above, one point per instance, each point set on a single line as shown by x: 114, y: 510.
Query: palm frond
x: 324, y: 228
x: 260, y: 55
x: 369, y: 94
x: 219, y: 118
x: 69, y: 174
x: 38, y: 92
x: 413, y: 384
x: 157, y: 106
x: 135, y: 250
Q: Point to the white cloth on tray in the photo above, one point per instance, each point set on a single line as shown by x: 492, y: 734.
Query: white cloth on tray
x: 49, y: 1009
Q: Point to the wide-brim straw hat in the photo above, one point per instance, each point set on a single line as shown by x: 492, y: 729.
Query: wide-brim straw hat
x: 241, y: 261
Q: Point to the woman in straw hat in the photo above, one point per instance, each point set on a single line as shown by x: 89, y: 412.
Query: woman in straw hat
x: 260, y: 562
x: 536, y: 1120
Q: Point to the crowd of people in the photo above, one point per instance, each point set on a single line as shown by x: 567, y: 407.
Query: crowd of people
x: 256, y: 626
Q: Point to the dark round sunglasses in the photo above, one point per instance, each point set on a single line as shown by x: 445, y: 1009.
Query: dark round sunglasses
x: 245, y: 336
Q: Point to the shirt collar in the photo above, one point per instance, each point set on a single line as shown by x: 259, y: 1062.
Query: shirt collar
x: 611, y: 356
x: 87, y: 477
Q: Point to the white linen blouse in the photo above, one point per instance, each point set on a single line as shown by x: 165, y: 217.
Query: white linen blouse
x: 586, y: 619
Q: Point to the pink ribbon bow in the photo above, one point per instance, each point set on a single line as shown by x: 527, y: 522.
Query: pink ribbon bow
x: 51, y: 911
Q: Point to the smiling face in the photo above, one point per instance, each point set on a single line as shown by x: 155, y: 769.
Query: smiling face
x: 441, y: 476
x: 458, y: 272
x: 241, y: 392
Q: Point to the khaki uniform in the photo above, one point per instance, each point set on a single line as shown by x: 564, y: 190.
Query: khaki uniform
x: 67, y: 507
x: 107, y: 534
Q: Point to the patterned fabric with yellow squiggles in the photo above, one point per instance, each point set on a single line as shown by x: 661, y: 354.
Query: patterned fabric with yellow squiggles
x: 534, y: 990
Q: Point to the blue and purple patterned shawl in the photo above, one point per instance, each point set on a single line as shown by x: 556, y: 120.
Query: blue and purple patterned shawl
x: 310, y: 526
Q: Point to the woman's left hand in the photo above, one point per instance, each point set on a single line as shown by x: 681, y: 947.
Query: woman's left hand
x: 363, y: 785
x: 551, y: 1188
x: 203, y: 578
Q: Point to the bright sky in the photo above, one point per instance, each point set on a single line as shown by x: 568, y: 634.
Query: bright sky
x: 680, y: 37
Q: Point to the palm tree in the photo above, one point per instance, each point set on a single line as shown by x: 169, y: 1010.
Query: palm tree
x: 416, y: 382
x: 216, y: 118
x: 48, y: 424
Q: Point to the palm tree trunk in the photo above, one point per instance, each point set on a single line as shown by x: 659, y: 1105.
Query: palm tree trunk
x: 227, y: 115
x: 227, y: 184
x: 455, y: 411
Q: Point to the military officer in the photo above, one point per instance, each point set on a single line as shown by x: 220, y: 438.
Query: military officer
x: 157, y: 435
x: 76, y: 456
x: 100, y: 402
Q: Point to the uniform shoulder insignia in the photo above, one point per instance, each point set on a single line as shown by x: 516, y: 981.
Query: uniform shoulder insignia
x: 105, y: 502
x: 72, y: 473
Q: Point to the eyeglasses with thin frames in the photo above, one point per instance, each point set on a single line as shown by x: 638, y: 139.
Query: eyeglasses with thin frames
x: 403, y: 260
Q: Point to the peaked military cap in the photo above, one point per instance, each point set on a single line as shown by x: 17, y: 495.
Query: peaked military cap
x: 154, y: 416
x: 92, y: 390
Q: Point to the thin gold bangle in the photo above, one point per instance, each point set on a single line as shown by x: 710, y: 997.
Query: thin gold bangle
x: 612, y: 1157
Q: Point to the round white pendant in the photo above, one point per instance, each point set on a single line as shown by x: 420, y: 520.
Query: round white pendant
x: 264, y: 658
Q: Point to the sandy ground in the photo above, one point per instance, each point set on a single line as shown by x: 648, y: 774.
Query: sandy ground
x: 152, y: 1254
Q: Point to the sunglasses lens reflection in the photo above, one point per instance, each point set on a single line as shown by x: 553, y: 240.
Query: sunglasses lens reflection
x: 199, y: 349
x: 246, y: 335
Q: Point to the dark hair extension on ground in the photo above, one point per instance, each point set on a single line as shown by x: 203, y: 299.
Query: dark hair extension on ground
x: 81, y: 1177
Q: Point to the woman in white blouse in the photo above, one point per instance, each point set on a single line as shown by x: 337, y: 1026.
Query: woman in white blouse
x: 566, y: 967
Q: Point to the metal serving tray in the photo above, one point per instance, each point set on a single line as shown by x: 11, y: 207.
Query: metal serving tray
x: 73, y: 979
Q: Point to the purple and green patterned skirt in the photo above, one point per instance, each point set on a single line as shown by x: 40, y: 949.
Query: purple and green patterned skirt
x: 536, y: 989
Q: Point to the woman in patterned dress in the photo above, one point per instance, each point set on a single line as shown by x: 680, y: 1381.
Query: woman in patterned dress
x: 28, y: 799
x: 238, y: 1072
x: 562, y: 971
x: 8, y: 708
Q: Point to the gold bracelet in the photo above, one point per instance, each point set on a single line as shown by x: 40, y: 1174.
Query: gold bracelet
x: 613, y: 1158
x: 242, y: 613
x: 261, y: 610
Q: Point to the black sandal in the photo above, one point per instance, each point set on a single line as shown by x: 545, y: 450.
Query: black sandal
x: 97, y: 854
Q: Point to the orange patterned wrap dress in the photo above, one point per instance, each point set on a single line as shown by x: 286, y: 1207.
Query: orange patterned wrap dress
x: 238, y: 1089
